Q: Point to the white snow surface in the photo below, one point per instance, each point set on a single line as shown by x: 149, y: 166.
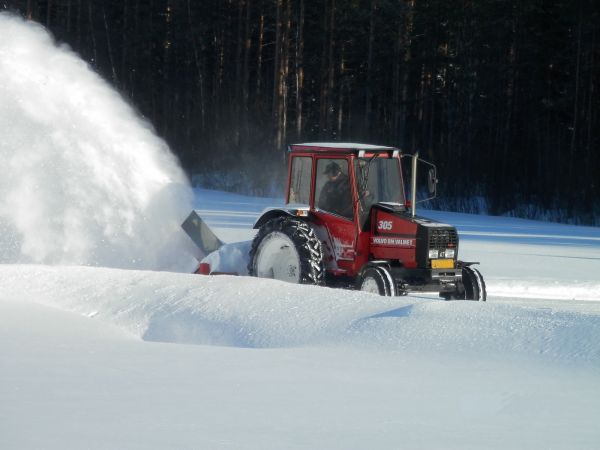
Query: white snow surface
x: 97, y: 354
x: 111, y: 358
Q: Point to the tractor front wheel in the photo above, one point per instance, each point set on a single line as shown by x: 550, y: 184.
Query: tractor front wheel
x: 473, y: 284
x: 287, y: 249
x: 472, y: 287
x: 376, y: 280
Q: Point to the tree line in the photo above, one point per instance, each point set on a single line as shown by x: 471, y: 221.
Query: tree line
x: 503, y: 95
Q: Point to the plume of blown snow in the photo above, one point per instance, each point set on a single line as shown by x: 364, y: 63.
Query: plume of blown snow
x: 84, y: 179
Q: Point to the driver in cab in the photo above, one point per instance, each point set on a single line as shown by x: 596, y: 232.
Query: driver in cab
x: 336, y: 196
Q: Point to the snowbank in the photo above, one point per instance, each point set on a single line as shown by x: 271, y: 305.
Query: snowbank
x: 247, y: 312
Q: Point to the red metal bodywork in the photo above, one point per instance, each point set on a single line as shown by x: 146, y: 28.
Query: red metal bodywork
x: 349, y: 246
x: 393, y: 238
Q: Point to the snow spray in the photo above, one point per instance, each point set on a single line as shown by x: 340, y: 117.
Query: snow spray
x: 83, y: 179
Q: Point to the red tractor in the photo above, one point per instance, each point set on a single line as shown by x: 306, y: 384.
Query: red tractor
x: 347, y: 223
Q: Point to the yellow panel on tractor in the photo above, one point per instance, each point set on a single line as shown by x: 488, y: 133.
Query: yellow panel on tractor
x: 442, y: 264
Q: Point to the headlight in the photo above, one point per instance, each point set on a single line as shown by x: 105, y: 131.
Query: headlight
x: 450, y: 253
x: 433, y: 254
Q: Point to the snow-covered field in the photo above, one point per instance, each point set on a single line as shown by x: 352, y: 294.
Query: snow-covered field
x: 111, y: 358
x: 98, y: 354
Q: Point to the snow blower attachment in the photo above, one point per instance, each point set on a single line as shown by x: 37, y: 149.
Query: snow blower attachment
x: 347, y: 223
x: 206, y: 241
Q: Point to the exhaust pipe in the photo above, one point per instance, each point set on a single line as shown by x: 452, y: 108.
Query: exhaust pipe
x: 413, y: 185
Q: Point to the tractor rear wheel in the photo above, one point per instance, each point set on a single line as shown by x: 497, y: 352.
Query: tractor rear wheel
x: 287, y: 249
x: 376, y: 280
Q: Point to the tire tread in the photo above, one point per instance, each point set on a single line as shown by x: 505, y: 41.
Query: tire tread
x: 308, y: 246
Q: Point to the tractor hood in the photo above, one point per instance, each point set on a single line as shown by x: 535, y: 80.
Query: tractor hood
x: 384, y: 210
x: 396, y: 235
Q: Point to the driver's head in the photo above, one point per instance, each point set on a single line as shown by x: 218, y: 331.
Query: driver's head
x: 332, y: 170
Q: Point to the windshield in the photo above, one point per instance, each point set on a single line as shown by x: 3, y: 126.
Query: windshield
x: 378, y: 180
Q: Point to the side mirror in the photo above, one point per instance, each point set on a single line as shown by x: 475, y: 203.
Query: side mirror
x: 432, y: 181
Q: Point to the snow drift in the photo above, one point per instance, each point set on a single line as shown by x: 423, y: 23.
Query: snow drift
x: 232, y: 311
x: 84, y: 179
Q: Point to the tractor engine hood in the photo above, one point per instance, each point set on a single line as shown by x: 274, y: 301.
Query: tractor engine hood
x: 401, y: 212
x: 396, y: 235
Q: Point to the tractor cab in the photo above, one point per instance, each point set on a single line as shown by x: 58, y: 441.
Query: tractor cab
x: 345, y: 182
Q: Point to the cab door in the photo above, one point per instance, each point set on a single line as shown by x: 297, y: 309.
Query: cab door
x: 335, y: 217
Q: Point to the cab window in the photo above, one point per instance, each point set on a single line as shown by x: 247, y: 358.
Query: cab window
x: 300, y: 180
x: 333, y: 193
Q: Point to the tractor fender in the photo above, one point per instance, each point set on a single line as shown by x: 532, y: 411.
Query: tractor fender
x: 461, y: 264
x: 376, y: 263
x: 271, y: 213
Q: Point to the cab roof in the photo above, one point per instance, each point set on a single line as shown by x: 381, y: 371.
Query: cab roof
x: 339, y: 147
